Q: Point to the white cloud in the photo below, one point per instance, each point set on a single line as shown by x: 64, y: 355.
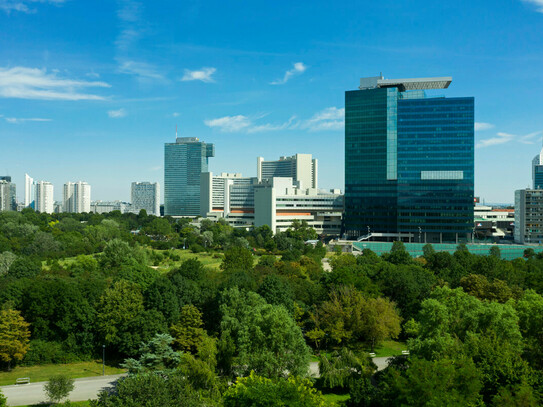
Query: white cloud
x: 18, y: 120
x: 141, y: 69
x: 175, y: 114
x: 298, y: 69
x: 204, y: 75
x: 24, y: 6
x: 537, y: 3
x: 290, y: 124
x: 330, y: 118
x: 229, y: 124
x: 33, y: 83
x: 502, y: 138
x: 483, y: 126
x: 117, y: 114
x: 129, y: 14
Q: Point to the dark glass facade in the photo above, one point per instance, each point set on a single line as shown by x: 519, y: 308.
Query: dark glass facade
x: 409, y: 164
x: 184, y: 161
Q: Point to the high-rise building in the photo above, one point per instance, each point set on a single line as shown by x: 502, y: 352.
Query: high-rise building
x: 528, y: 216
x: 146, y: 195
x: 409, y: 161
x: 77, y: 197
x: 43, y: 197
x: 217, y: 190
x: 184, y: 161
x: 8, y: 194
x: 300, y: 167
x: 29, y: 190
x: 537, y: 171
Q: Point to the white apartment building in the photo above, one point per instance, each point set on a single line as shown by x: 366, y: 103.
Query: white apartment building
x: 146, y: 195
x: 528, y: 216
x: 77, y: 197
x: 302, y: 168
x: 29, y: 190
x: 43, y: 197
x: 6, y: 203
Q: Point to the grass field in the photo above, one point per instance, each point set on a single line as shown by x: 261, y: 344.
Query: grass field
x: 44, y: 372
x: 206, y: 259
x: 336, y: 398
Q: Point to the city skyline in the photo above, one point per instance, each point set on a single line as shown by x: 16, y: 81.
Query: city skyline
x: 102, y: 99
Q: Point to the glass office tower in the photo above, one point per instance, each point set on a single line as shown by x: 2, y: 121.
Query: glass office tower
x: 537, y: 171
x: 184, y: 161
x: 409, y: 162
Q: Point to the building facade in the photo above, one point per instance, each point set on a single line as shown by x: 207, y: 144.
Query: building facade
x: 43, y: 197
x: 8, y: 194
x: 301, y: 168
x: 409, y: 161
x: 146, y: 195
x: 29, y: 190
x: 537, y: 171
x: 110, y: 206
x: 184, y: 162
x: 528, y: 216
x: 77, y: 197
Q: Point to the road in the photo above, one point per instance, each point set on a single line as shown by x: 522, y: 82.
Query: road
x: 84, y: 389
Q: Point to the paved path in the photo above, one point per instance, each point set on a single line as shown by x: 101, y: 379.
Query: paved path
x: 84, y: 389
x: 381, y: 363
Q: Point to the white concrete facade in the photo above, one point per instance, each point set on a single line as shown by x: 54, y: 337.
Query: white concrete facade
x: 528, y: 216
x: 77, y: 197
x: 301, y: 168
x: 29, y: 190
x: 43, y: 197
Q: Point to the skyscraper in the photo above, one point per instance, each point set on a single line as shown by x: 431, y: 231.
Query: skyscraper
x: 29, y: 190
x: 146, y: 195
x: 409, y: 161
x: 77, y: 197
x: 43, y: 197
x: 299, y: 167
x: 8, y: 194
x: 537, y: 171
x: 184, y: 161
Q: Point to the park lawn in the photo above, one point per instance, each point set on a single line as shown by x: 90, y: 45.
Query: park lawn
x: 338, y: 399
x: 389, y: 348
x: 42, y: 373
x: 205, y: 258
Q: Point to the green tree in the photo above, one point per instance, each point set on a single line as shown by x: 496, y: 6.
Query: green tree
x: 495, y: 252
x: 237, y: 258
x: 347, y: 317
x: 187, y: 331
x: 342, y: 368
x: 260, y: 337
x: 446, y: 382
x: 258, y: 391
x: 398, y: 254
x: 118, y: 306
x: 3, y: 400
x: 6, y: 260
x: 58, y: 388
x: 156, y: 356
x: 14, y: 336
x: 151, y: 390
x: 277, y: 292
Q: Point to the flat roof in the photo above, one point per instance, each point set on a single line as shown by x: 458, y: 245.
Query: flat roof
x: 441, y: 82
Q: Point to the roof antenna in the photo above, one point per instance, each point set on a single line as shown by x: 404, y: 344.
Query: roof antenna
x: 176, y: 131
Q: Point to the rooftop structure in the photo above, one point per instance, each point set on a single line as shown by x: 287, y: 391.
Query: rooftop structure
x: 375, y: 82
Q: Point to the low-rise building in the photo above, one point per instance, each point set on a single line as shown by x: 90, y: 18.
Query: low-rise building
x: 110, y: 206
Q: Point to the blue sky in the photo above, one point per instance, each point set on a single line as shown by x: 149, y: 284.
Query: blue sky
x: 91, y: 90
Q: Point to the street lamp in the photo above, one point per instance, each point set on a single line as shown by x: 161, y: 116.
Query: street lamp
x: 103, y: 360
